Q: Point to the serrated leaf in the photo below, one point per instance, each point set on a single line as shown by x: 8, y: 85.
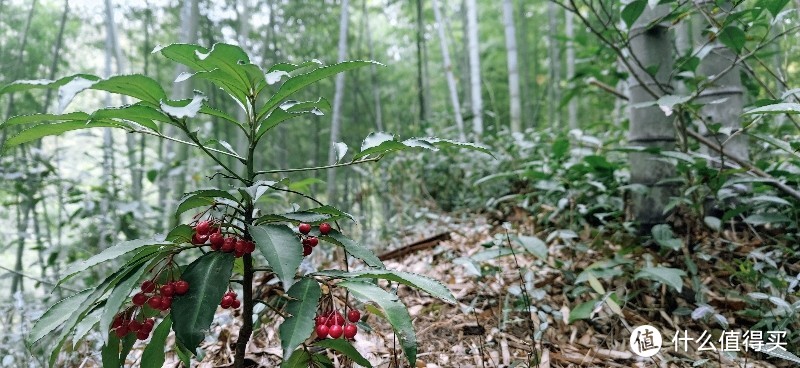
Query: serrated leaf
x: 353, y: 248
x: 112, y: 252
x: 118, y: 296
x: 302, y: 308
x: 298, y: 82
x: 24, y: 85
x: 143, y: 115
x: 344, y: 347
x: 134, y: 85
x: 779, y: 108
x: 208, y: 279
x: 672, y: 277
x: 56, y: 315
x: 288, y: 111
x: 201, y: 198
x: 632, y: 11
x: 424, y: 283
x: 396, y: 313
x: 35, y: 118
x: 282, y: 249
x: 47, y: 129
x: 153, y: 355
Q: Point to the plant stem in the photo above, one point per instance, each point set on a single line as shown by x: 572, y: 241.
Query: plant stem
x: 247, y: 281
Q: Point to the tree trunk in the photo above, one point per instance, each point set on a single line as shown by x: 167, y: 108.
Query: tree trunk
x: 554, y: 88
x: 726, y: 87
x: 525, y: 92
x: 649, y: 126
x: 423, y: 107
x: 513, y: 70
x: 376, y: 95
x: 572, y: 107
x: 338, y: 96
x: 474, y: 68
x: 188, y: 34
x: 448, y: 71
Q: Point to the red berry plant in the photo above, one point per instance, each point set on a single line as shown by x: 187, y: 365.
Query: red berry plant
x: 232, y: 238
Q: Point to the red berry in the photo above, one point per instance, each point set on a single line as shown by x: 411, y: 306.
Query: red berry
x: 227, y: 301
x: 118, y: 321
x: 122, y: 331
x: 203, y: 227
x: 335, y: 319
x: 236, y: 304
x: 229, y: 244
x: 147, y: 325
x: 155, y: 302
x: 141, y: 335
x: 167, y: 290
x: 134, y: 326
x: 324, y: 228
x: 139, y: 299
x: 166, y: 302
x: 304, y: 228
x: 307, y: 250
x: 199, y: 239
x: 148, y: 286
x: 216, y: 240
x: 350, y: 331
x: 322, y: 331
x: 353, y: 315
x: 311, y: 241
x: 250, y: 247
x: 181, y: 287
x: 335, y: 331
x: 238, y: 254
x: 232, y: 294
x: 321, y: 320
x: 240, y: 246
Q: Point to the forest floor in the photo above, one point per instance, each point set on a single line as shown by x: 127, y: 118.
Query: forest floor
x: 486, y: 329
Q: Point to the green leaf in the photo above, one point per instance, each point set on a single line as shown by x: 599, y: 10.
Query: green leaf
x: 110, y: 352
x: 395, y: 312
x: 43, y: 130
x: 134, y: 85
x: 534, y: 246
x: 353, y: 248
x: 143, y: 115
x: 582, y: 311
x: 302, y: 308
x: 778, y: 108
x: 86, y: 324
x: 344, y: 347
x: 118, y: 296
x: 24, y: 85
x: 774, y: 7
x: 632, y: 11
x: 767, y: 218
x: 201, y: 198
x: 299, y: 359
x: 153, y: 355
x: 35, y: 118
x: 292, y: 109
x: 282, y: 249
x: 733, y: 37
x: 669, y: 276
x: 380, y: 143
x: 298, y: 82
x: 208, y: 279
x: 663, y: 235
x: 183, y: 108
x: 112, y: 252
x: 180, y: 234
x: 424, y: 283
x: 56, y: 315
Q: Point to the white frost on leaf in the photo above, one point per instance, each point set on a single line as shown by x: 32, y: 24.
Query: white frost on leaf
x: 341, y: 149
x: 375, y: 139
x: 275, y: 76
x: 188, y: 111
x: 68, y: 91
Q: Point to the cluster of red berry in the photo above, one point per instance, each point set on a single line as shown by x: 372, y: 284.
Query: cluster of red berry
x: 123, y: 326
x: 162, y: 299
x: 332, y: 324
x: 206, y: 232
x: 229, y: 301
x: 309, y: 241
